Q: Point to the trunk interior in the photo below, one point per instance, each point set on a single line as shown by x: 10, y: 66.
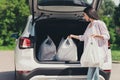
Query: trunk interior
x: 57, y: 29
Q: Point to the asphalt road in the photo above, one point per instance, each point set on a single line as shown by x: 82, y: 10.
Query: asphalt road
x: 115, y: 74
x: 7, y: 67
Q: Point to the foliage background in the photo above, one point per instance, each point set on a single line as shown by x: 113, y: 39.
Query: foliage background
x: 12, y: 19
x: 14, y: 13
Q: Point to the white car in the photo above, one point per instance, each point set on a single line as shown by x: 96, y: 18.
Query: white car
x: 56, y: 18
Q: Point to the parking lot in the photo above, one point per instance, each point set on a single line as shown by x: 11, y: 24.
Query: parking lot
x: 7, y: 67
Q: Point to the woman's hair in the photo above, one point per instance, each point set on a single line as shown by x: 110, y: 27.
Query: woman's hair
x: 91, y: 12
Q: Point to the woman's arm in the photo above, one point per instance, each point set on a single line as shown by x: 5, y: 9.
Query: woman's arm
x: 74, y: 36
x: 79, y: 37
x: 104, y: 34
x: 104, y: 31
x: 98, y: 36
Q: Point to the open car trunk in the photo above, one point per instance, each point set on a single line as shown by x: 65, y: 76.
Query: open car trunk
x: 64, y: 17
x: 57, y: 29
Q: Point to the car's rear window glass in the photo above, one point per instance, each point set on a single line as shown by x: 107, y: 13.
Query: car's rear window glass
x: 64, y: 2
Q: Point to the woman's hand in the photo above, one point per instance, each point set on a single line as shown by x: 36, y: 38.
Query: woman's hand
x: 97, y: 36
x: 73, y: 36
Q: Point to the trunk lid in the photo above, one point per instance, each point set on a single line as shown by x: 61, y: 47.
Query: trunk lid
x: 38, y: 7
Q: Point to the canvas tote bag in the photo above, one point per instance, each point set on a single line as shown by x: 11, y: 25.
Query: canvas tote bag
x: 67, y: 50
x: 93, y: 55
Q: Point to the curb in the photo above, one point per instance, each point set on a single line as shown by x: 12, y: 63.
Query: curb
x: 117, y: 62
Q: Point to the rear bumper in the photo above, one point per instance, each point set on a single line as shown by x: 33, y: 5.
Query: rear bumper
x: 57, y: 73
x: 61, y: 73
x: 59, y: 77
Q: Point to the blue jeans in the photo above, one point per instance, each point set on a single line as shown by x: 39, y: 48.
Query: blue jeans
x: 93, y: 73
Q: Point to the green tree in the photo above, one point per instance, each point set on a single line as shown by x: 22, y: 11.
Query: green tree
x: 13, y: 19
x: 107, y: 8
x: 117, y: 24
x: 117, y: 16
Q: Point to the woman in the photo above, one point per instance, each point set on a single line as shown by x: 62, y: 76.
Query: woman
x: 97, y: 29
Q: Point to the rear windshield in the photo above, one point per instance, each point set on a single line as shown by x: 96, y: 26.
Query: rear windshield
x: 64, y: 2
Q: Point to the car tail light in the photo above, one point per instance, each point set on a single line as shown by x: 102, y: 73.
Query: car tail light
x: 23, y: 72
x: 25, y: 42
x: 107, y: 70
x: 108, y: 44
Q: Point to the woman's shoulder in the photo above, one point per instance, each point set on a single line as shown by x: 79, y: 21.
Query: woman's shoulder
x: 99, y: 22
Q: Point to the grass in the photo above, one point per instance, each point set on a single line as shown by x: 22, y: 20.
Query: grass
x: 5, y: 48
x: 116, y: 55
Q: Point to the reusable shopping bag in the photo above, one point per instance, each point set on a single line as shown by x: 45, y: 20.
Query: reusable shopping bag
x: 108, y: 60
x: 47, y: 50
x: 67, y: 50
x: 93, y: 55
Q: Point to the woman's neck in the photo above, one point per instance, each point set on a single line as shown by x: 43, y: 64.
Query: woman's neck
x: 91, y: 20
